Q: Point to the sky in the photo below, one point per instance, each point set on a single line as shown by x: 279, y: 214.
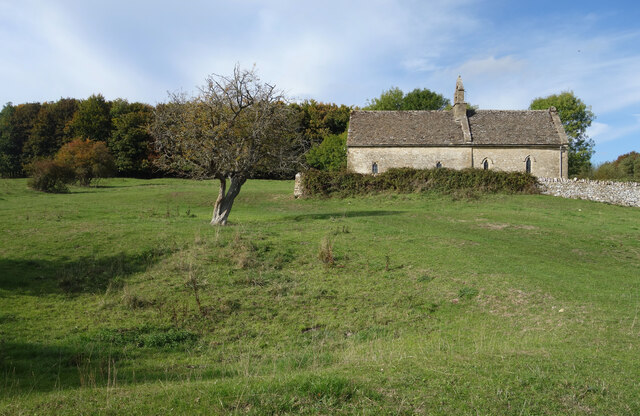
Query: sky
x: 344, y: 52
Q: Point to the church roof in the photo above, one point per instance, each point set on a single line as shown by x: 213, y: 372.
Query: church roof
x: 439, y: 128
x: 520, y: 127
x: 403, y: 128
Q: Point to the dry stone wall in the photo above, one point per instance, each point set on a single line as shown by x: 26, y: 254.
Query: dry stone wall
x: 618, y: 193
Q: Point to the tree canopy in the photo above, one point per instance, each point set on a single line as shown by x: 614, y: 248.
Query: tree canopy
x: 418, y: 99
x: 235, y: 125
x: 329, y: 155
x: 576, y: 117
x: 93, y: 119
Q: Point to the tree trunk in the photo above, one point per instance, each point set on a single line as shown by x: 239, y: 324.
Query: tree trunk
x: 225, y: 199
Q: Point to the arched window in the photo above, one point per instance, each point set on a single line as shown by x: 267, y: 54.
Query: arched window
x: 527, y: 164
x: 485, y: 165
x: 438, y: 165
x: 374, y: 168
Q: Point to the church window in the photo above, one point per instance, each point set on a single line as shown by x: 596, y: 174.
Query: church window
x: 527, y: 164
x: 438, y: 165
x: 374, y: 168
x: 485, y: 165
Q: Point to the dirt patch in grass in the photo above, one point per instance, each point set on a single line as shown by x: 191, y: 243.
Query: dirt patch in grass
x: 502, y: 226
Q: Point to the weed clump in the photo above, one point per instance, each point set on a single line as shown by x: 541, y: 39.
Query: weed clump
x: 468, y: 292
x: 325, y: 254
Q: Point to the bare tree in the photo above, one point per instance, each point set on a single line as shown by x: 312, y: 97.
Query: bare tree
x: 234, y: 125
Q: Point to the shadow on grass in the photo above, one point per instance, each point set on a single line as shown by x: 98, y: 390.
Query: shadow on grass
x: 83, y: 275
x: 27, y: 367
x: 345, y: 214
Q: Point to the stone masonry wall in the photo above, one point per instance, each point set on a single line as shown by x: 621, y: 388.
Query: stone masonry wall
x: 544, y: 162
x: 618, y: 193
x: 360, y: 159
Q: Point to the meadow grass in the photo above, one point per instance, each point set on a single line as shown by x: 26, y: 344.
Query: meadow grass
x: 122, y: 299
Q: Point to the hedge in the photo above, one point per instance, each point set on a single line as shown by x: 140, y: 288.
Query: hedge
x: 407, y: 180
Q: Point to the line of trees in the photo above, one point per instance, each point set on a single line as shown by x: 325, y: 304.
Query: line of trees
x: 35, y: 131
x: 32, y: 132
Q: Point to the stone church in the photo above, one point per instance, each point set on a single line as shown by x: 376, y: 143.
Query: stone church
x: 531, y: 141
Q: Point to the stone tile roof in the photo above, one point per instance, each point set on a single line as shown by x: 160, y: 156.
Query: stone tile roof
x: 438, y: 128
x: 522, y: 127
x: 403, y: 128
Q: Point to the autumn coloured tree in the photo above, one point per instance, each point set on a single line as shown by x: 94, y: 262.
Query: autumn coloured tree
x: 234, y: 126
x: 87, y: 159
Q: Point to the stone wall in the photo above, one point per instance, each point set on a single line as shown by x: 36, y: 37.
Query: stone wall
x: 360, y: 159
x: 298, y: 188
x: 618, y: 193
x: 544, y: 162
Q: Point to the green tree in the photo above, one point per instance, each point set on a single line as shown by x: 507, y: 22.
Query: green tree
x: 50, y: 129
x: 16, y: 123
x: 92, y: 120
x: 330, y: 155
x: 130, y: 142
x: 424, y: 99
x: 576, y: 117
x: 390, y: 100
x: 419, y: 99
x: 9, y: 150
x: 317, y: 120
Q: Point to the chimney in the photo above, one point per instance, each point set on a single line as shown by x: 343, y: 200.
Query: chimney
x: 460, y: 110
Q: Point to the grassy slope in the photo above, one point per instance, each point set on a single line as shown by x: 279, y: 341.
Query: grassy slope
x: 506, y: 305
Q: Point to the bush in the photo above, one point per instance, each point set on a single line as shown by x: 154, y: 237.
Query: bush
x: 87, y: 159
x: 49, y: 176
x: 406, y: 180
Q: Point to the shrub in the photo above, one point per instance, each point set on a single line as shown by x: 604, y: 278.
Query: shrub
x: 87, y: 159
x: 49, y: 176
x: 406, y: 180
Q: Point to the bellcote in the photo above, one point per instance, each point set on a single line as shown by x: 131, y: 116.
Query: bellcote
x: 460, y: 110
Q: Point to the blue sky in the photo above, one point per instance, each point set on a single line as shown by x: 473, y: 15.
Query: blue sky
x: 507, y: 52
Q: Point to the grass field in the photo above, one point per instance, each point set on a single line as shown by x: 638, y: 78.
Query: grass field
x: 122, y: 299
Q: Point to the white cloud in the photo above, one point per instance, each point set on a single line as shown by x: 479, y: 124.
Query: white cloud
x: 599, y: 132
x: 57, y: 60
x: 602, y: 133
